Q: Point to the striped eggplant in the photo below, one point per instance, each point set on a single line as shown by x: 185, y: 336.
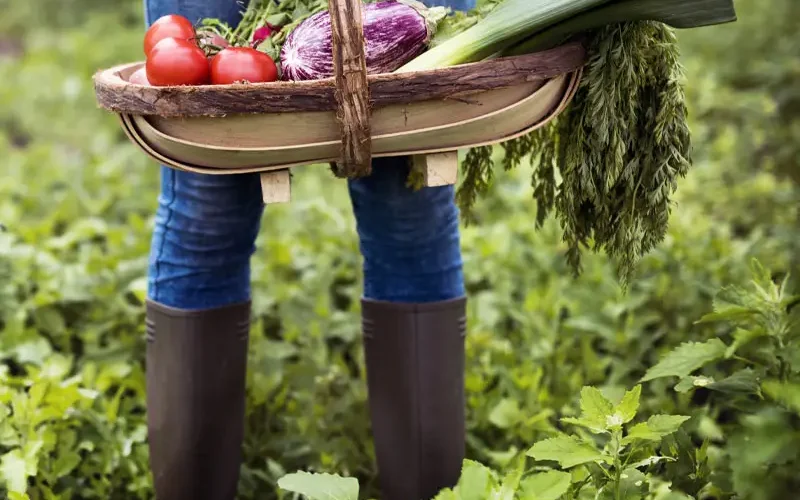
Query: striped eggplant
x: 395, y: 31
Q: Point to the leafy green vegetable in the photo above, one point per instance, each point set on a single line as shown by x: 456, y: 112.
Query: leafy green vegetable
x: 281, y: 15
x: 619, y: 148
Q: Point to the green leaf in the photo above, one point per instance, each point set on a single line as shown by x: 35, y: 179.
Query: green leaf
x: 627, y: 408
x: 740, y: 382
x: 632, y: 485
x: 730, y: 314
x: 320, y: 486
x: 448, y: 494
x: 510, y: 483
x: 49, y: 320
x: 505, y: 414
x: 787, y: 394
x: 686, y: 358
x: 655, y: 428
x: 9, y: 437
x: 138, y: 288
x: 35, y: 351
x: 688, y: 383
x: 501, y: 458
x: 666, y: 424
x: 476, y: 481
x: 595, y: 407
x: 65, y: 463
x: 742, y: 337
x: 647, y: 462
x: 13, y: 471
x: 31, y: 454
x: 8, y: 434
x: 592, y: 426
x: 568, y: 451
x: 548, y: 485
x: 279, y: 19
x: 13, y: 495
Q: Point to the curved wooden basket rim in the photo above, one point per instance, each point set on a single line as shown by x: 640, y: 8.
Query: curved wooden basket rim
x: 117, y: 95
x: 351, y: 85
x: 131, y: 131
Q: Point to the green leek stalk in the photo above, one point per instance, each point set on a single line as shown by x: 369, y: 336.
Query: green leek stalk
x: 509, y: 23
x: 681, y: 14
x: 518, y: 27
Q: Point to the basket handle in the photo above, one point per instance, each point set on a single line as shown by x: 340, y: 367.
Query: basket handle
x: 352, y: 89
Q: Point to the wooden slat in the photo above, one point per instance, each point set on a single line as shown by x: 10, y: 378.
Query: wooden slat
x: 439, y: 169
x: 276, y: 186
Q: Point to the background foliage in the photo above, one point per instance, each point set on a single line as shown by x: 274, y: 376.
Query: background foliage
x: 76, y: 207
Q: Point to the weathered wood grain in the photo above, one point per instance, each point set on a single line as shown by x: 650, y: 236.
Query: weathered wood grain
x: 352, y: 89
x: 458, y: 82
x: 276, y: 186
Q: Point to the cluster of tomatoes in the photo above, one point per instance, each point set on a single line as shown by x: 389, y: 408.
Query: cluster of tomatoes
x: 178, y: 55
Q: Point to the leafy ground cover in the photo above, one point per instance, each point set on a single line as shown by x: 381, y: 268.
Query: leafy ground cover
x: 686, y: 386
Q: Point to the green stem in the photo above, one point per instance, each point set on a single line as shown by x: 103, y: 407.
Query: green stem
x: 745, y: 360
x: 783, y: 368
x: 579, y: 486
x: 617, y: 463
x: 634, y: 449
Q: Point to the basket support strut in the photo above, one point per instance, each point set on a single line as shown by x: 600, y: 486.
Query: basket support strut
x: 276, y: 186
x: 439, y: 169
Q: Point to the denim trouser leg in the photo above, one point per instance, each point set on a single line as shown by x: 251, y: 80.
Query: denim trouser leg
x: 454, y: 4
x: 409, y: 239
x: 206, y: 226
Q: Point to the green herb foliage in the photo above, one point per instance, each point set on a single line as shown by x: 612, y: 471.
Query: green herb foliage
x: 609, y: 165
x: 282, y: 15
x: 619, y: 149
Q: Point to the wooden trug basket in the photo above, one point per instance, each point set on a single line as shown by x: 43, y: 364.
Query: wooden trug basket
x: 347, y: 119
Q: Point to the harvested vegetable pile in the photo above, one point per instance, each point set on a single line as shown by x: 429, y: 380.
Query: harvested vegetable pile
x: 606, y: 168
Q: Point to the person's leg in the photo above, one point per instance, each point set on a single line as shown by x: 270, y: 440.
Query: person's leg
x: 198, y: 316
x: 409, y: 239
x: 414, y: 323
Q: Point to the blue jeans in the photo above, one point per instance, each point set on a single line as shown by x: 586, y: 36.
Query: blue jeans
x: 206, y: 226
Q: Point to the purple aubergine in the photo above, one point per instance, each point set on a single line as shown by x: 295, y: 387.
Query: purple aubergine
x: 395, y: 31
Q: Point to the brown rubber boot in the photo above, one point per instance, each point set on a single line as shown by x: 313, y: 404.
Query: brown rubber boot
x: 196, y: 368
x: 415, y: 376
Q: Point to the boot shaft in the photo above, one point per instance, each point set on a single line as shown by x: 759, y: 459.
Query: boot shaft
x: 196, y: 373
x: 415, y: 376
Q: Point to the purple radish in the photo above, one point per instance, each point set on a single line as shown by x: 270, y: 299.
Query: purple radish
x: 395, y: 31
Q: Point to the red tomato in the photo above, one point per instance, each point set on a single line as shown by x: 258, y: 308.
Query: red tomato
x: 242, y: 64
x: 171, y: 26
x: 139, y: 77
x: 175, y: 61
